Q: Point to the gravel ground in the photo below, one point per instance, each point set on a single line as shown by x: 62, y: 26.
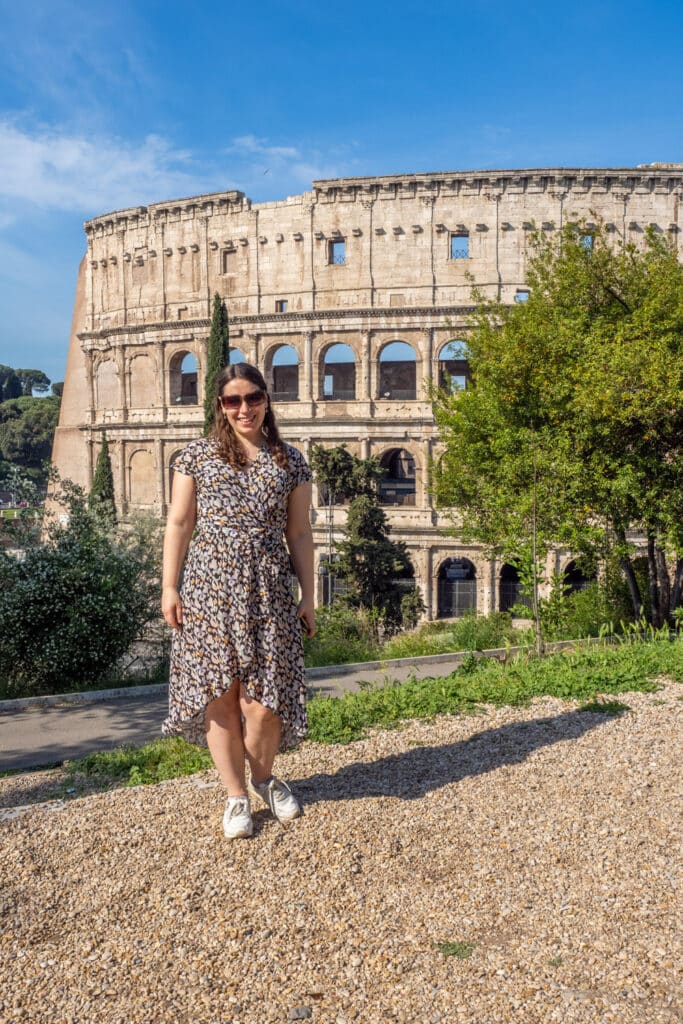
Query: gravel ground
x: 545, y: 841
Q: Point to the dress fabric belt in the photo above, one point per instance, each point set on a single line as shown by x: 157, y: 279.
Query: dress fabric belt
x: 259, y: 566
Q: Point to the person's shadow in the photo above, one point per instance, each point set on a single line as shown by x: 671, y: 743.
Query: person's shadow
x: 417, y: 771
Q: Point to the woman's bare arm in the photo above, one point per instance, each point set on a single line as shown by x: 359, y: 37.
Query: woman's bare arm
x: 179, y: 527
x: 300, y: 543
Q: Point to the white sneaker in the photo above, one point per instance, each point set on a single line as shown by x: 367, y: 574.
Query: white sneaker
x: 237, y: 823
x: 277, y: 795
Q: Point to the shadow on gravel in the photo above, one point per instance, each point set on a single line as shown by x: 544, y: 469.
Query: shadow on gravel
x: 418, y: 771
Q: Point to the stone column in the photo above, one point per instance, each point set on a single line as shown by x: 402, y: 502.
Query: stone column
x: 123, y: 490
x: 428, y: 371
x: 161, y: 476
x: 365, y: 447
x: 365, y: 389
x: 162, y: 382
x: 121, y: 375
x: 122, y: 274
x: 90, y: 378
x: 307, y: 392
x: 428, y: 589
x: 91, y: 459
x: 256, y: 347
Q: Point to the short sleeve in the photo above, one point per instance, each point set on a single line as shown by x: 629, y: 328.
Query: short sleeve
x: 299, y: 472
x: 186, y: 461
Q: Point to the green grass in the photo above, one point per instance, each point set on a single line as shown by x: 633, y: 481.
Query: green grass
x: 133, y: 766
x: 605, y: 707
x: 584, y: 675
x: 461, y: 950
x: 577, y: 675
x: 470, y: 633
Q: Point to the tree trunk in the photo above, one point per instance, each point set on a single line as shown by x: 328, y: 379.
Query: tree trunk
x: 677, y: 587
x: 655, y: 617
x: 629, y: 575
x: 663, y: 586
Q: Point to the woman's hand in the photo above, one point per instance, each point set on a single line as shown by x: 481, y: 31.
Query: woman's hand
x: 306, y: 613
x: 171, y: 607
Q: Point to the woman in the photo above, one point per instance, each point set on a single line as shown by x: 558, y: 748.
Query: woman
x: 237, y: 674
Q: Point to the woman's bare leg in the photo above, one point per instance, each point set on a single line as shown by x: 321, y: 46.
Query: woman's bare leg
x: 262, y: 729
x: 224, y: 738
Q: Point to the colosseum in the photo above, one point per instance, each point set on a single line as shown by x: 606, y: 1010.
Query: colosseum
x: 350, y: 298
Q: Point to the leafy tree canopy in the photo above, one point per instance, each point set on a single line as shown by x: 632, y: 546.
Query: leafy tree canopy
x: 571, y: 431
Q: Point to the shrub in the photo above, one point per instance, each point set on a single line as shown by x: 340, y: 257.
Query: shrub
x: 470, y: 633
x: 343, y: 635
x: 581, y: 613
x: 71, y: 607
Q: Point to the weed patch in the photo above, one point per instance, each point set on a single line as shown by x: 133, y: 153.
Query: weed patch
x: 460, y: 950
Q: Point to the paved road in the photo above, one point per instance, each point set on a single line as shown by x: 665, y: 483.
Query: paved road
x: 40, y: 736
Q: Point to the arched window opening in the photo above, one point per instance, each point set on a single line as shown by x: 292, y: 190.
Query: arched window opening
x: 456, y: 588
x: 283, y: 374
x: 235, y: 356
x: 454, y: 367
x: 183, y: 379
x: 398, y: 372
x: 510, y: 589
x: 339, y: 373
x: 575, y: 579
x: 397, y: 486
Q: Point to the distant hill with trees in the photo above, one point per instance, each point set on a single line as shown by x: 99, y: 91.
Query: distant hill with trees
x: 27, y: 423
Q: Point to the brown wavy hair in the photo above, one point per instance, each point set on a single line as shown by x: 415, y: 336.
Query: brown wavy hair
x: 229, y: 447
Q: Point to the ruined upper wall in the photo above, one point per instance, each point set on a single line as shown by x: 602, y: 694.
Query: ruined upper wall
x: 163, y: 262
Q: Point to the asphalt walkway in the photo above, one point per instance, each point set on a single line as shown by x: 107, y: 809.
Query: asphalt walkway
x: 34, y: 734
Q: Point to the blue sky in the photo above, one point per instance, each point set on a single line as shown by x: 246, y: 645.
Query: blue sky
x: 107, y: 105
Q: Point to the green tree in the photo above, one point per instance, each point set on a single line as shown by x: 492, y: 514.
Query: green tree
x: 33, y: 380
x: 101, y: 497
x: 10, y: 385
x: 218, y: 356
x: 368, y: 559
x: 570, y: 434
x: 27, y: 427
x: 371, y: 562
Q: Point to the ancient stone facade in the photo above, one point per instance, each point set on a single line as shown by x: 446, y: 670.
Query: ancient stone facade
x: 320, y: 288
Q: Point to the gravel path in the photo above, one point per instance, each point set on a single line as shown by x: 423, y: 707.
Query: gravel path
x: 544, y: 840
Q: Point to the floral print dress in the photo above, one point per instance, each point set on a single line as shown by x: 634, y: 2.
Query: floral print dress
x: 239, y: 615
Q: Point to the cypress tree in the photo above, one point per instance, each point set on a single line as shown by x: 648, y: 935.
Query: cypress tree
x: 217, y: 356
x: 101, y: 497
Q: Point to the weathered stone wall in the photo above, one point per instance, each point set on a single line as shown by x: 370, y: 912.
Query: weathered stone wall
x: 146, y: 286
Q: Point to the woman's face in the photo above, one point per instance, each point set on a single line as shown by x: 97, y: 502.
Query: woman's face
x: 244, y: 418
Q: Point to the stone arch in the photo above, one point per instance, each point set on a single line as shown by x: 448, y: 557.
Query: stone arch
x: 282, y: 363
x: 454, y: 366
x: 183, y: 378
x: 338, y: 372
x: 510, y: 589
x: 399, y: 485
x: 141, y: 478
x: 456, y: 588
x: 397, y: 371
x: 143, y: 382
x: 107, y: 385
x: 575, y: 578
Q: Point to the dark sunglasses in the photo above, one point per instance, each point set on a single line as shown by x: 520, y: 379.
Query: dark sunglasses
x: 253, y: 399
